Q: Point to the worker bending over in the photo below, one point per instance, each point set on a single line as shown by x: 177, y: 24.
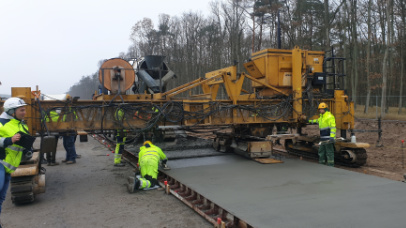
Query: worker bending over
x: 148, y: 160
x: 327, y: 125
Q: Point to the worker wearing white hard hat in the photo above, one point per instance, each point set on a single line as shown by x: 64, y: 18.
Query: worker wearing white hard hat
x: 12, y: 128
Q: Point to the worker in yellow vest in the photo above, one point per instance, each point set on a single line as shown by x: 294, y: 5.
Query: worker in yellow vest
x: 148, y: 160
x: 120, y: 139
x: 327, y: 125
x: 11, y: 143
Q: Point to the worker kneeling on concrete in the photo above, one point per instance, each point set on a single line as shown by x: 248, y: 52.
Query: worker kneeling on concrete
x: 148, y: 160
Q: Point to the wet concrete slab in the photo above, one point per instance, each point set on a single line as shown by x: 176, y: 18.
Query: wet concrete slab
x: 295, y: 193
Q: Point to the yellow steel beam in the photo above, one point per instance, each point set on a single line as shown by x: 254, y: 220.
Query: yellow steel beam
x: 297, y: 82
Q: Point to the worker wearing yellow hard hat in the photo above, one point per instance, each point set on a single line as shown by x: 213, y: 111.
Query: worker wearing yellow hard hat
x: 327, y: 125
x: 148, y: 159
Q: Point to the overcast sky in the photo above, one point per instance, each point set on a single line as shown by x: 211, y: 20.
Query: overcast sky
x: 53, y: 43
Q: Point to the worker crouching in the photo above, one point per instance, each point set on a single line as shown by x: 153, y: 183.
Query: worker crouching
x: 148, y: 160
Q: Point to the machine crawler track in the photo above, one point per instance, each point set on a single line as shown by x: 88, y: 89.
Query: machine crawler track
x: 22, y: 190
x: 350, y: 157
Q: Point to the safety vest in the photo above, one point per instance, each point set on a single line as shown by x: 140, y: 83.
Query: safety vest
x: 119, y: 115
x: 327, y: 125
x: 53, y: 115
x: 70, y: 115
x: 14, y: 152
x: 153, y: 153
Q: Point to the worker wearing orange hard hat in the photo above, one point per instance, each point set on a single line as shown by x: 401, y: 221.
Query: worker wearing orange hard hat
x: 327, y: 125
x: 148, y: 159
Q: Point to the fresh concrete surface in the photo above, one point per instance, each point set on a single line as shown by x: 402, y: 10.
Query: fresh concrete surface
x: 295, y: 193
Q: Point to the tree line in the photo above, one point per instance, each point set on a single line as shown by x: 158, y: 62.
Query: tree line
x: 368, y: 33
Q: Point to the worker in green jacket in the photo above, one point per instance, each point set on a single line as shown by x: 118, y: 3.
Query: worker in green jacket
x: 120, y: 139
x: 10, y: 134
x: 148, y: 160
x: 327, y: 125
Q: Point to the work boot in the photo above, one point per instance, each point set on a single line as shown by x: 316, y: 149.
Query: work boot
x: 70, y: 162
x: 130, y: 179
x: 53, y: 163
x: 133, y: 184
x: 119, y: 164
x: 130, y: 184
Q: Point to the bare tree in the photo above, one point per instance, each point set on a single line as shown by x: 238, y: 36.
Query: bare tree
x: 385, y: 59
x: 368, y: 61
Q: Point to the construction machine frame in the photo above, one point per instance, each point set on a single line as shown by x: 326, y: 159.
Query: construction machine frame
x: 281, y: 87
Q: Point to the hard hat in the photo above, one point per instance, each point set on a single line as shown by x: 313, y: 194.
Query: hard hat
x: 147, y: 142
x: 322, y: 105
x: 12, y: 103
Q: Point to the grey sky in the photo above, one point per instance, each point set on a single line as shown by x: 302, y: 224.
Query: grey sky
x: 53, y: 43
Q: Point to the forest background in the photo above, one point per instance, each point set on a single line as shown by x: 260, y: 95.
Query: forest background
x: 370, y: 34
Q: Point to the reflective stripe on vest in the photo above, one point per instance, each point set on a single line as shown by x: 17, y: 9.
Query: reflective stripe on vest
x: 2, y: 141
x: 147, y: 154
x: 8, y: 165
x: 144, y: 181
x: 19, y: 149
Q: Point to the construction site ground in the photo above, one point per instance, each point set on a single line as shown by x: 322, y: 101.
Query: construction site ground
x: 92, y: 193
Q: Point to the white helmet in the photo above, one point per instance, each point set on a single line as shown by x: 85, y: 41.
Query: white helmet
x: 12, y: 103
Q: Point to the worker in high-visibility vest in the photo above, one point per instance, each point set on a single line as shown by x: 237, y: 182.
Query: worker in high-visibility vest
x: 327, y: 125
x: 51, y: 155
x: 10, y: 134
x: 69, y: 137
x: 148, y: 160
x: 120, y: 139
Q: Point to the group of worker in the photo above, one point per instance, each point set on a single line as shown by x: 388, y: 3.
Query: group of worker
x: 15, y: 143
x: 149, y: 158
x: 12, y: 128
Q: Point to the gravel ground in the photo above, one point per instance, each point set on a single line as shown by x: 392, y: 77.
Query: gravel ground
x: 92, y: 193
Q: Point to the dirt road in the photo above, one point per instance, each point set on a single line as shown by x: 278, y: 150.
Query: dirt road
x: 92, y: 193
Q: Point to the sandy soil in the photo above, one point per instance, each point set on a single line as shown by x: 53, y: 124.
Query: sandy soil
x: 384, y: 157
x: 92, y: 193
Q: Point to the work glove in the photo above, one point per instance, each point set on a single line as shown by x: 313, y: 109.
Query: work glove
x: 303, y: 118
x: 166, y: 167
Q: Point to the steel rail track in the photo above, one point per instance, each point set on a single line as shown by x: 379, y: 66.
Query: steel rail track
x: 208, y: 209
